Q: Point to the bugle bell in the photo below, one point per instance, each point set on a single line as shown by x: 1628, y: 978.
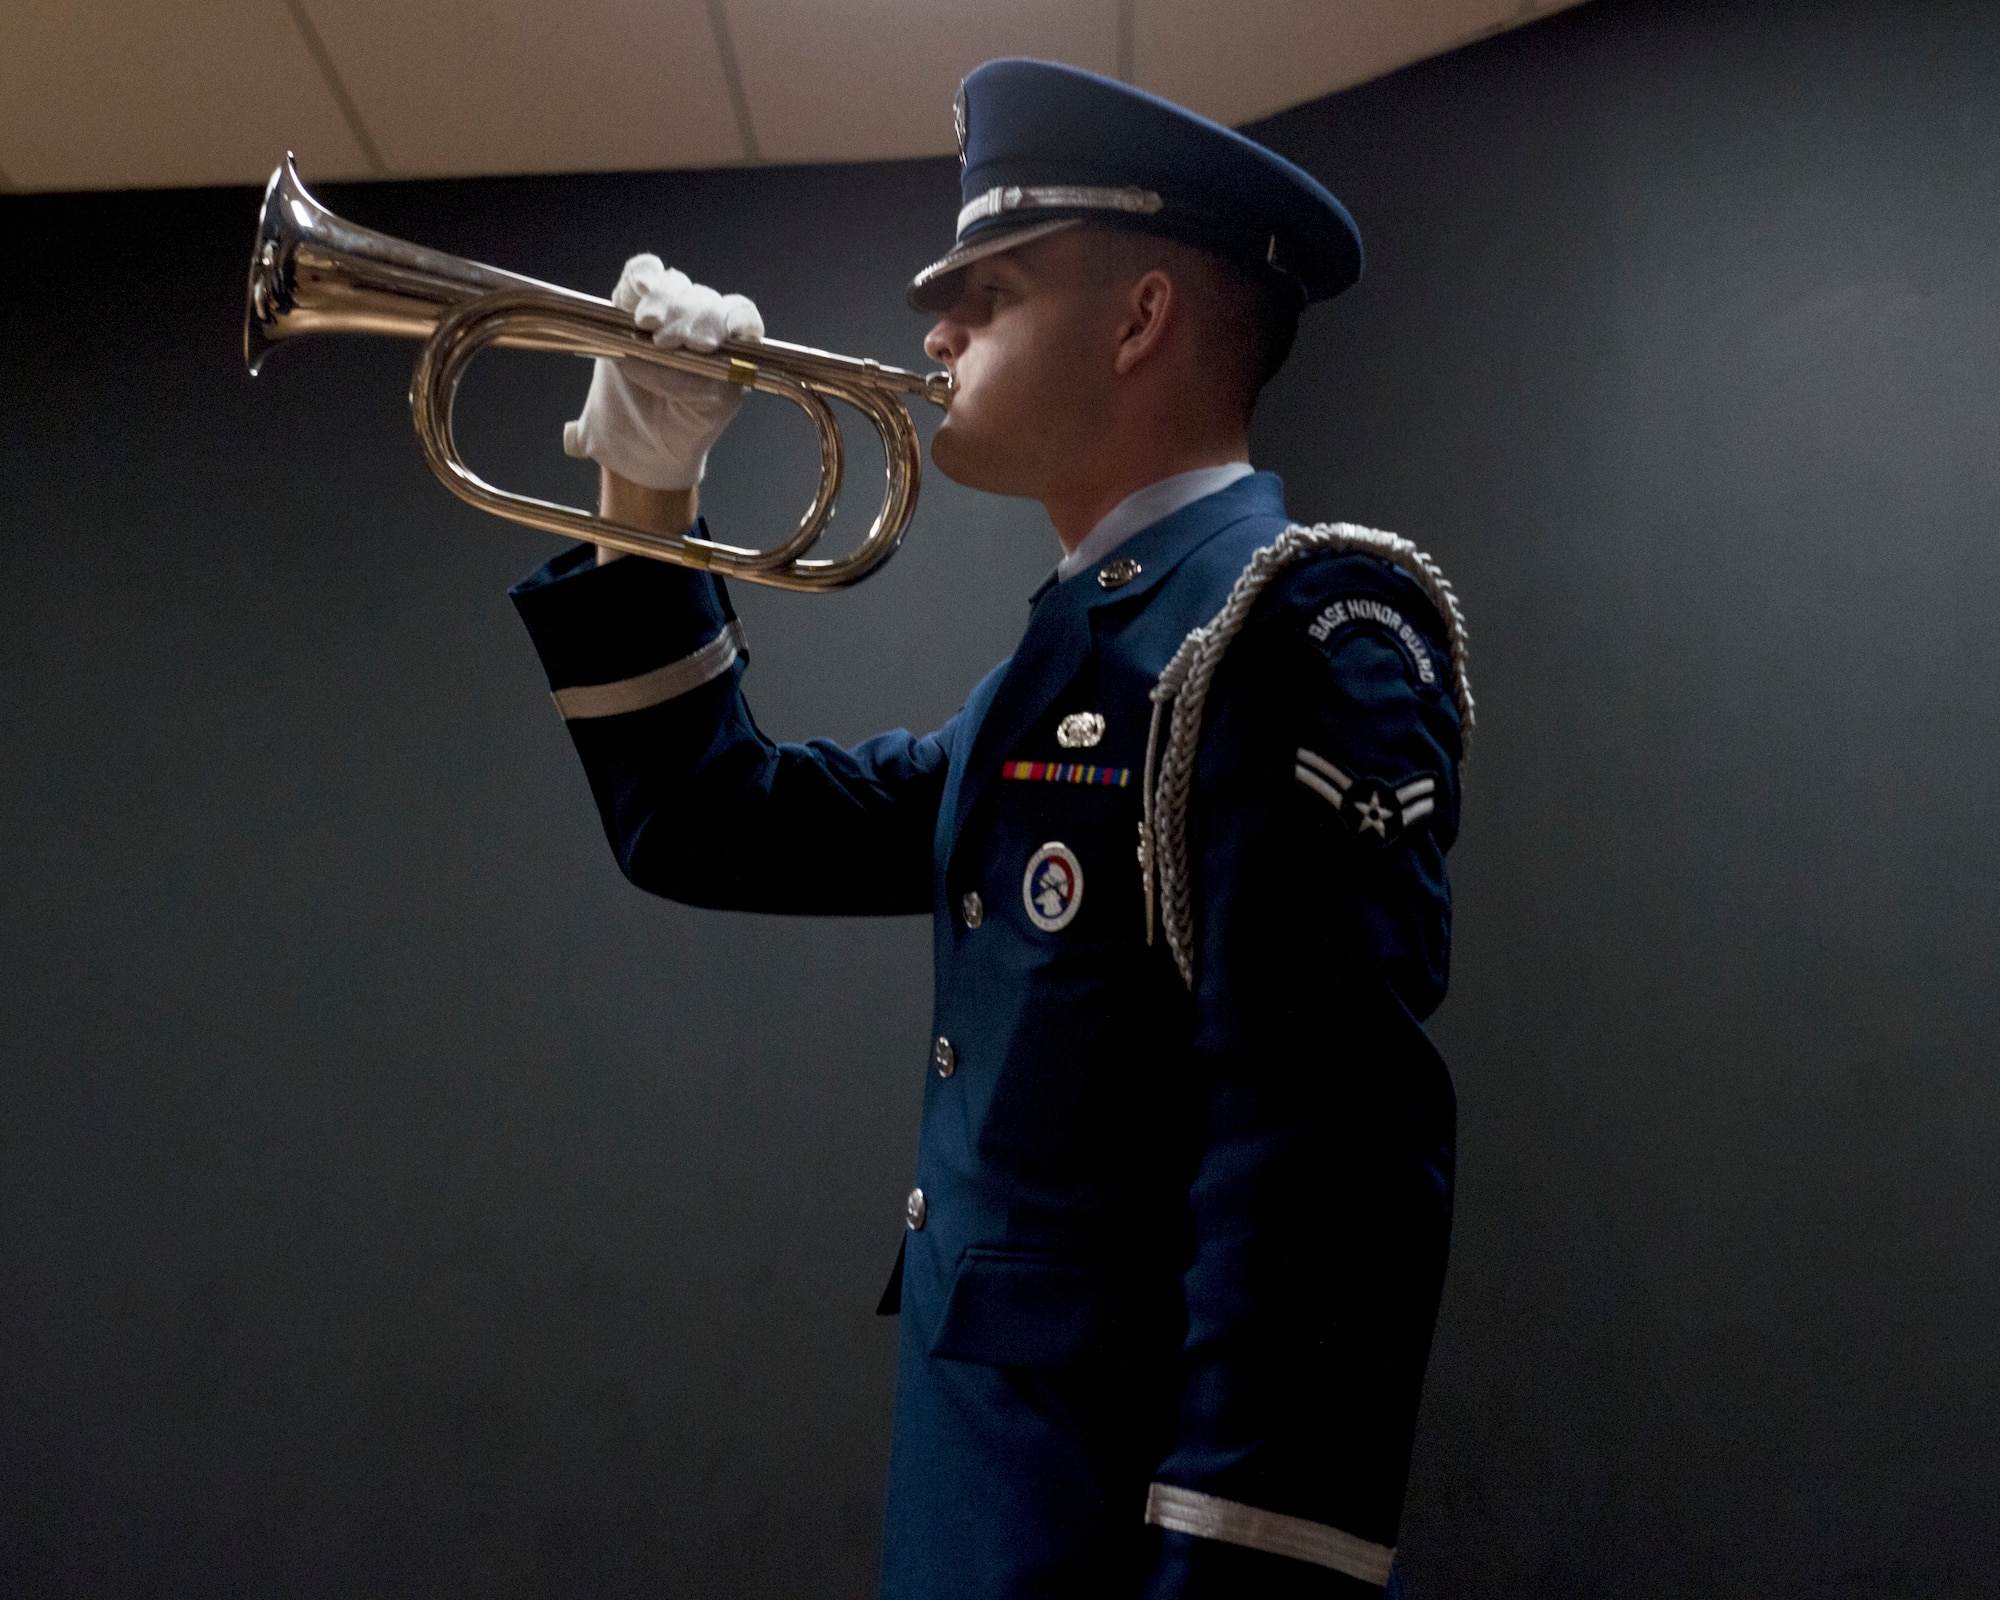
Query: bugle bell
x: 311, y: 272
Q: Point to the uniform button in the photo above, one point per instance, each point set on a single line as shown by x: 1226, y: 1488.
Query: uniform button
x: 973, y: 907
x: 915, y: 1209
x: 945, y: 1057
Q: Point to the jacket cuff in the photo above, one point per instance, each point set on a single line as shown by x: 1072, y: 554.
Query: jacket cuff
x: 1188, y: 1567
x: 601, y: 627
x: 1212, y: 1546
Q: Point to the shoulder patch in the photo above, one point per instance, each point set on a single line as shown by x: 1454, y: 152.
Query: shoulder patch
x: 1182, y: 688
x: 1364, y: 610
x: 1377, y: 811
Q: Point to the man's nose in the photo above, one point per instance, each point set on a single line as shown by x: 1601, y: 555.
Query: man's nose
x: 945, y: 343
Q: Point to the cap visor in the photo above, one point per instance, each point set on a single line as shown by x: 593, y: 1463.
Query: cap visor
x: 936, y: 287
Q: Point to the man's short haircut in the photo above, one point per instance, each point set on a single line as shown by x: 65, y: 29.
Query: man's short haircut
x: 1247, y: 325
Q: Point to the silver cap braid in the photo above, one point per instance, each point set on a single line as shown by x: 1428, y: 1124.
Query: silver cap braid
x: 1181, y: 692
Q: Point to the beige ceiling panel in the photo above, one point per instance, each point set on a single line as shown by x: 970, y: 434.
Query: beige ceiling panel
x: 116, y: 93
x: 451, y: 87
x: 864, y: 80
x: 113, y: 94
x: 1237, y: 62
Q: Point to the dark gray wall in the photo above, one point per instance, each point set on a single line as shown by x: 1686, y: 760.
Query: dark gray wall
x: 392, y: 1201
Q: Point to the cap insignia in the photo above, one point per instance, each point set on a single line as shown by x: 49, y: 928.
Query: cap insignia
x: 958, y: 119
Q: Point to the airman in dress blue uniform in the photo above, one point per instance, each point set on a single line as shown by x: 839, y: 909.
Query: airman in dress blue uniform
x: 1182, y: 1195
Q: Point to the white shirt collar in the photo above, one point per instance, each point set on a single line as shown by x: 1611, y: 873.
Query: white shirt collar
x: 1154, y: 503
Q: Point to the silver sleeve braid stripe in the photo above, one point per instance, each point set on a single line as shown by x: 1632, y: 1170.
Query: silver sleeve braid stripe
x: 1208, y: 1516
x: 662, y: 684
x: 1182, y: 691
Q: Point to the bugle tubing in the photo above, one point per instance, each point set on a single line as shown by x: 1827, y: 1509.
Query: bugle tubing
x: 312, y: 272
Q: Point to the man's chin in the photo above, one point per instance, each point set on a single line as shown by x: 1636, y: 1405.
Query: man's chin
x: 950, y: 455
x: 962, y: 460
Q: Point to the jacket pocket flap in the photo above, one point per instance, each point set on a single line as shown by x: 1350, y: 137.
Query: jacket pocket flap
x: 1008, y: 1309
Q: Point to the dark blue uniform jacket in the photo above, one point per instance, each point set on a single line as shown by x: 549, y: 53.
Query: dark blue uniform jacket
x: 1192, y: 1239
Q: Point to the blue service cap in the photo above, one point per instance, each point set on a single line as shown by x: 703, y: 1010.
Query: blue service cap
x: 1045, y: 147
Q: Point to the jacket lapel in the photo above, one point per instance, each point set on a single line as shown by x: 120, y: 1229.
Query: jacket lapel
x: 1058, y: 638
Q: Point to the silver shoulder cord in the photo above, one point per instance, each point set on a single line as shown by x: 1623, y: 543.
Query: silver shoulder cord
x: 1182, y: 690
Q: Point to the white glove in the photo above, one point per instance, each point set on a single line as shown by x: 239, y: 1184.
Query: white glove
x: 649, y: 423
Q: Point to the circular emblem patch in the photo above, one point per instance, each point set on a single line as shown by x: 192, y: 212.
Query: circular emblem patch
x: 1052, y: 887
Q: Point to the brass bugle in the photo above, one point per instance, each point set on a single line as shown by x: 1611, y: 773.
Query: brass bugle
x: 311, y: 272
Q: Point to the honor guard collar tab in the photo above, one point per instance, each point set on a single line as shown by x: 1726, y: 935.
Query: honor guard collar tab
x: 1044, y: 147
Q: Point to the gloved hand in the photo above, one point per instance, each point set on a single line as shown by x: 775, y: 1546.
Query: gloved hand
x: 649, y: 423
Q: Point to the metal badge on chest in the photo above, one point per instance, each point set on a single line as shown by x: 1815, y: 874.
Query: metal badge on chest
x: 1080, y: 730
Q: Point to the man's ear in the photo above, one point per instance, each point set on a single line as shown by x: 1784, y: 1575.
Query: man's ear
x: 1151, y: 305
